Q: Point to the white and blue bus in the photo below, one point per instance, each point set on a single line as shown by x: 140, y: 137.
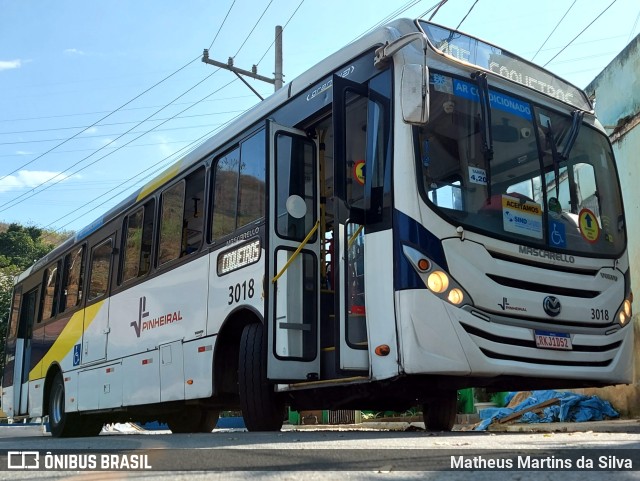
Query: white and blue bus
x: 420, y: 212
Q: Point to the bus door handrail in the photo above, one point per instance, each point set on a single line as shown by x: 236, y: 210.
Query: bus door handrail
x: 296, y: 252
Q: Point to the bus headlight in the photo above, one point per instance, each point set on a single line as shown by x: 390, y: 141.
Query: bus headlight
x: 436, y: 279
x: 438, y: 282
x: 624, y: 314
x: 455, y: 296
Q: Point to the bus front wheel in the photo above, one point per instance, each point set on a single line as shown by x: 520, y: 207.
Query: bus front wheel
x: 262, y: 408
x: 439, y: 412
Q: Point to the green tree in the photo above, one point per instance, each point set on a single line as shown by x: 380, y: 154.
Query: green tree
x: 20, y: 247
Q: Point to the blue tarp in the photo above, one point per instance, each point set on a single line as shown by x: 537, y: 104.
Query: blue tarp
x: 571, y: 408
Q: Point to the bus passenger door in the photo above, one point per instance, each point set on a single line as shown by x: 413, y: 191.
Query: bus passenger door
x: 25, y: 335
x: 351, y: 112
x: 292, y: 304
x: 11, y: 384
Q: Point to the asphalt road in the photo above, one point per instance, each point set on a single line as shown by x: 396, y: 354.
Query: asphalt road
x: 311, y: 454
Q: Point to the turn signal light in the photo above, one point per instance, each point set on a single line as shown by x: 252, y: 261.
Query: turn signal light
x: 383, y: 350
x: 424, y: 265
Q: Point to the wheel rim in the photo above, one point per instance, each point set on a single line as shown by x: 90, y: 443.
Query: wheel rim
x: 57, y: 406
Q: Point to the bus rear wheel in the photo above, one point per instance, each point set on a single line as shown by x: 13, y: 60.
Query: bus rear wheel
x: 262, y: 408
x: 64, y: 424
x: 439, y: 412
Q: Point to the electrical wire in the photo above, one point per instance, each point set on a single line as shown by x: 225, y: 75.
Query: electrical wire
x: 465, y: 17
x: 434, y: 13
x: 98, y: 121
x: 254, y: 27
x: 222, y: 24
x: 581, y: 32
x: 283, y: 27
x: 633, y: 29
x: 554, y: 29
x: 21, y: 198
x: 116, y: 123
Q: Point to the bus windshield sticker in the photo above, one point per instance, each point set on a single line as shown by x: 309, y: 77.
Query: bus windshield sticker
x: 442, y: 83
x: 589, y: 227
x: 521, y: 217
x: 557, y: 234
x: 497, y: 100
x: 477, y: 175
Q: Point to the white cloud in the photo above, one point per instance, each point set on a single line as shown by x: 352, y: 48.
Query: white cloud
x: 73, y: 51
x: 27, y: 179
x: 23, y: 152
x: 10, y: 64
x: 90, y: 130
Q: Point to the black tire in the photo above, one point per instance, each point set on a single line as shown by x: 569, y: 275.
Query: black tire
x: 262, y: 408
x: 61, y: 423
x: 439, y: 413
x: 193, y: 420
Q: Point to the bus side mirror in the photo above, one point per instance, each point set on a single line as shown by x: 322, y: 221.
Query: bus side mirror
x: 414, y: 94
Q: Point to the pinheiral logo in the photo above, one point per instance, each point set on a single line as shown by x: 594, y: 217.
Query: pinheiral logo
x: 144, y: 324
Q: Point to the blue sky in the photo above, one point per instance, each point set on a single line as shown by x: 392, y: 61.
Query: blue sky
x: 65, y: 65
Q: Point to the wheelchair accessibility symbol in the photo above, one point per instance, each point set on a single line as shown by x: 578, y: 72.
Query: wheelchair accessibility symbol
x: 76, y: 355
x: 557, y: 234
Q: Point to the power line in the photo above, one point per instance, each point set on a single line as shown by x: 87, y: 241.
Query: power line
x: 254, y: 27
x: 633, y: 29
x: 77, y: 114
x: 283, y: 27
x: 132, y: 132
x: 192, y: 145
x: 98, y: 121
x: 465, y: 17
x: 554, y: 29
x: 583, y: 30
x: 13, y: 202
x: 434, y: 13
x: 223, y: 22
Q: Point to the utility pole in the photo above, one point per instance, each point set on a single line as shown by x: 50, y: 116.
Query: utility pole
x: 277, y: 79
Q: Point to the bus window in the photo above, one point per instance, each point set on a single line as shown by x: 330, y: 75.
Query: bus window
x: 136, y: 258
x: 72, y: 280
x: 181, y: 220
x: 225, y: 195
x: 100, y: 268
x: 239, y: 187
x: 171, y: 223
x: 50, y: 293
x: 251, y: 193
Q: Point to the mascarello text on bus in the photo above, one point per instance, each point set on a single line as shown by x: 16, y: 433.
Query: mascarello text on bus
x: 418, y: 213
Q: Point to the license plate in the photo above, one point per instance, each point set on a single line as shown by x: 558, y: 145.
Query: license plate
x: 553, y: 340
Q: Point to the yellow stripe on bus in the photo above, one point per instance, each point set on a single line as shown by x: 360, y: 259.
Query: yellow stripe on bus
x: 70, y: 336
x: 164, y: 177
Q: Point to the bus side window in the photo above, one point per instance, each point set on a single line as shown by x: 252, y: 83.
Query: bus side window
x: 136, y: 251
x: 100, y: 268
x: 72, y: 280
x: 239, y: 187
x: 225, y: 195
x: 181, y: 219
x: 50, y: 291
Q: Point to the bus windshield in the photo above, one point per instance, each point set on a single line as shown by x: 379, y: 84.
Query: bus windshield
x: 549, y: 180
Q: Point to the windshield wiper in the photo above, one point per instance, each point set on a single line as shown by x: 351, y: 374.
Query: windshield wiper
x: 557, y: 157
x: 485, y: 122
x: 576, y: 123
x: 551, y: 139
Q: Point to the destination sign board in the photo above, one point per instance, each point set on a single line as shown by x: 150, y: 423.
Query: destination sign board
x: 505, y: 64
